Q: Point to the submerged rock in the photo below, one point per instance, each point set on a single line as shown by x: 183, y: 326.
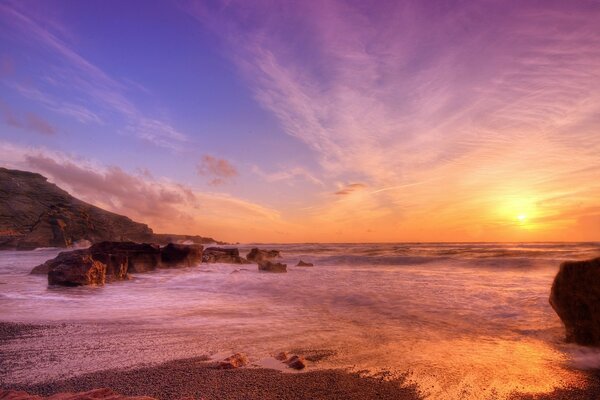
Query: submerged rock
x: 235, y: 361
x: 223, y: 255
x: 268, y: 266
x: 257, y: 254
x: 575, y: 296
x: 304, y: 264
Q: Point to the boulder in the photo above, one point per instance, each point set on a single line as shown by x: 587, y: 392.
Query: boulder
x: 296, y: 362
x: 575, y: 297
x: 304, y: 264
x: 283, y: 356
x: 95, y: 394
x: 181, y: 255
x: 76, y: 268
x: 223, y: 255
x: 268, y: 266
x: 235, y: 361
x: 256, y: 255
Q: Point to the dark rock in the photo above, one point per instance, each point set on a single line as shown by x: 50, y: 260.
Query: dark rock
x: 296, y: 362
x: 235, y: 361
x: 257, y: 255
x: 283, y: 356
x: 181, y: 255
x: 76, y: 268
x: 223, y: 255
x: 140, y: 257
x: 575, y: 296
x: 113, y: 261
x: 304, y: 264
x: 268, y: 266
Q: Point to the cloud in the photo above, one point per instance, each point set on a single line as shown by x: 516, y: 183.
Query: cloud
x: 287, y: 175
x: 30, y: 121
x: 81, y: 79
x: 350, y: 188
x: 217, y: 169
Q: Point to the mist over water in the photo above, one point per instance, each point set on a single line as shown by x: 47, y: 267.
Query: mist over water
x: 461, y: 320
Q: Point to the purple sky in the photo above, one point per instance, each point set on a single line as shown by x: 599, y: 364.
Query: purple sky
x: 313, y: 121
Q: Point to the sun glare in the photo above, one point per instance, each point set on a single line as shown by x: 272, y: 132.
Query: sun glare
x: 522, y: 218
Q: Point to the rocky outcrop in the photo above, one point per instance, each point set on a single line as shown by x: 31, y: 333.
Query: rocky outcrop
x: 296, y: 362
x: 268, y: 266
x: 235, y: 361
x: 257, y: 255
x: 575, y: 296
x: 304, y: 264
x: 96, y: 394
x: 36, y: 213
x: 223, y: 255
x: 112, y: 261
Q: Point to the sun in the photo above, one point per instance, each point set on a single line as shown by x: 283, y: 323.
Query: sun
x: 522, y: 217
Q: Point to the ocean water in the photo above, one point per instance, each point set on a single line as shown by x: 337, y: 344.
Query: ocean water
x: 461, y: 320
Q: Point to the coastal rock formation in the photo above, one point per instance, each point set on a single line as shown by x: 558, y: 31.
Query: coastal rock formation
x: 304, y: 264
x: 575, y: 296
x: 96, y: 394
x: 223, y: 255
x: 257, y: 255
x: 235, y: 361
x: 36, y: 213
x: 113, y: 261
x: 268, y: 266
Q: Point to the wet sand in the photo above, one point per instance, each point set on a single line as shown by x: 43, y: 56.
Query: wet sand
x: 198, y: 378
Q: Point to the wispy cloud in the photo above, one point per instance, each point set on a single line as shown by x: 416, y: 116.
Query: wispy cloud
x: 29, y: 121
x: 350, y: 188
x: 74, y: 73
x: 218, y: 170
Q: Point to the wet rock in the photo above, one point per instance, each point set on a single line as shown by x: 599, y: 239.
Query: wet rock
x: 575, y: 297
x: 140, y: 257
x: 235, y: 361
x: 96, y: 394
x: 181, y: 255
x: 223, y: 255
x: 257, y: 255
x: 296, y: 362
x: 283, y: 356
x: 304, y: 264
x: 76, y: 268
x: 237, y: 271
x: 268, y: 266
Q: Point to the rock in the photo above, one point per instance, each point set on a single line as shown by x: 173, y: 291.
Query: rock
x: 113, y: 261
x: 296, y: 362
x: 223, y: 255
x: 76, y: 268
x: 304, y: 264
x: 235, y: 361
x: 95, y: 394
x: 257, y: 255
x: 181, y: 255
x: 237, y: 271
x: 575, y: 297
x: 268, y: 266
x: 283, y: 356
x: 140, y: 257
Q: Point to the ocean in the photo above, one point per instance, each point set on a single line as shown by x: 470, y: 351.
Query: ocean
x: 459, y: 320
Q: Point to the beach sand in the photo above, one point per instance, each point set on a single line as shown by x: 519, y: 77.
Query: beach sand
x: 198, y: 378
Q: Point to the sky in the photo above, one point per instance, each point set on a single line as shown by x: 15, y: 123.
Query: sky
x: 313, y: 121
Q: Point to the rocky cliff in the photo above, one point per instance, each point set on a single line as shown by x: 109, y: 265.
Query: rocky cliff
x: 36, y: 213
